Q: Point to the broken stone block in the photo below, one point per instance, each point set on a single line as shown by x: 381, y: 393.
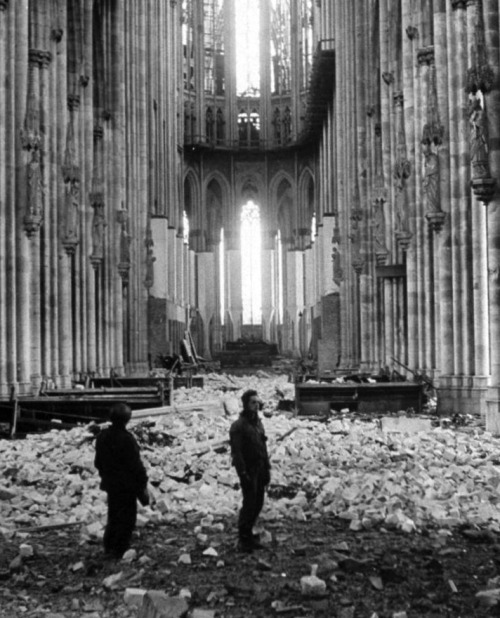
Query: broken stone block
x: 157, y: 604
x: 6, y: 493
x: 129, y: 555
x: 184, y: 559
x: 25, y: 550
x: 489, y: 598
x: 311, y: 585
x: 16, y: 564
x: 111, y: 581
x: 405, y: 424
x: 203, y: 613
x: 134, y: 597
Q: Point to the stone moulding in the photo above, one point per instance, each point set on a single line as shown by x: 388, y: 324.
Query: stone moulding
x: 39, y: 57
x: 425, y: 55
x: 436, y: 220
x: 484, y: 189
x: 481, y: 77
x: 381, y: 257
x: 411, y: 32
x: 403, y: 238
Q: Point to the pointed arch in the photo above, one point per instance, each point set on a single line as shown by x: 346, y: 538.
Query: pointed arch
x: 191, y: 207
x: 214, y: 212
x: 306, y: 210
x: 282, y: 192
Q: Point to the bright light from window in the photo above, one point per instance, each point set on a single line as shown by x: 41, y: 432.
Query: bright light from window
x: 280, y: 276
x: 247, y: 47
x: 222, y: 280
x: 250, y: 264
x: 185, y: 228
x: 313, y: 228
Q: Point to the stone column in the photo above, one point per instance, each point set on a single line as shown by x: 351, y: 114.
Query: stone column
x: 28, y: 264
x: 482, y: 185
x: 3, y: 199
x: 443, y: 242
x: 206, y: 297
x: 17, y: 20
x: 293, y: 301
x: 492, y: 99
x: 234, y: 300
x: 269, y: 282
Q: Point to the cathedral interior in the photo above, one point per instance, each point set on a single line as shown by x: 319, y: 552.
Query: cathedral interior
x: 305, y: 173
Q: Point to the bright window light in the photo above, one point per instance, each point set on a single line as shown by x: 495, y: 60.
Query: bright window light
x: 185, y: 228
x: 279, y: 246
x: 222, y: 280
x: 250, y: 264
x: 247, y: 47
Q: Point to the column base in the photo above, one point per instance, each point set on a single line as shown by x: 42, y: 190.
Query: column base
x: 493, y: 410
x: 462, y: 395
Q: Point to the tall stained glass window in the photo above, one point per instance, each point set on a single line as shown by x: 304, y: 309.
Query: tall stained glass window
x: 280, y: 46
x: 213, y: 31
x: 251, y: 272
x: 247, y: 47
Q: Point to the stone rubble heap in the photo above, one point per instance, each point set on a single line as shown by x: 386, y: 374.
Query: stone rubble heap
x: 345, y: 467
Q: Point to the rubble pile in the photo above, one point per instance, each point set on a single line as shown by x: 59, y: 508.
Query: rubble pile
x: 344, y: 467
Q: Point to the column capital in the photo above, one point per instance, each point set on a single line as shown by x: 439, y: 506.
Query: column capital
x: 425, y: 55
x: 436, y: 220
x: 411, y: 32
x: 398, y: 99
x: 39, y: 57
x: 484, y: 189
x: 73, y: 102
x: 388, y: 77
x: 57, y: 34
x: 458, y: 4
x: 98, y: 132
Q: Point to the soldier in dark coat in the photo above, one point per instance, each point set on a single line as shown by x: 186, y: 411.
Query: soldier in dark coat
x: 123, y: 478
x: 250, y: 458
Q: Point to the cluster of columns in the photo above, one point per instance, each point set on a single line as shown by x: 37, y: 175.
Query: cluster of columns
x: 89, y: 137
x: 415, y: 116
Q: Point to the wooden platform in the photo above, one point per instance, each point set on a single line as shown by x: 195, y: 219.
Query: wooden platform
x: 321, y: 398
x: 68, y: 407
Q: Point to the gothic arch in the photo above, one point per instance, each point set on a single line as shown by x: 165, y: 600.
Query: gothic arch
x: 306, y: 207
x: 225, y: 188
x: 192, y: 208
x: 214, y: 212
x: 282, y: 194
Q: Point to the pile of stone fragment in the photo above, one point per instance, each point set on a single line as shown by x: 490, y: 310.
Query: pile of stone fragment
x: 355, y: 469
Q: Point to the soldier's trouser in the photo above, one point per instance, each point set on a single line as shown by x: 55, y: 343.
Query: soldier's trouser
x: 122, y: 515
x: 253, y: 491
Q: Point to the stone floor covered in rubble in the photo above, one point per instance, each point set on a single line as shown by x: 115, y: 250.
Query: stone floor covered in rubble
x: 401, y: 519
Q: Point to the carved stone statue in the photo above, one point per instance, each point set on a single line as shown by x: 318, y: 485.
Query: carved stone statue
x: 479, y: 148
x: 379, y: 225
x: 72, y: 210
x: 98, y: 225
x: 150, y: 259
x: 34, y: 206
x: 430, y: 181
x: 338, y: 272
